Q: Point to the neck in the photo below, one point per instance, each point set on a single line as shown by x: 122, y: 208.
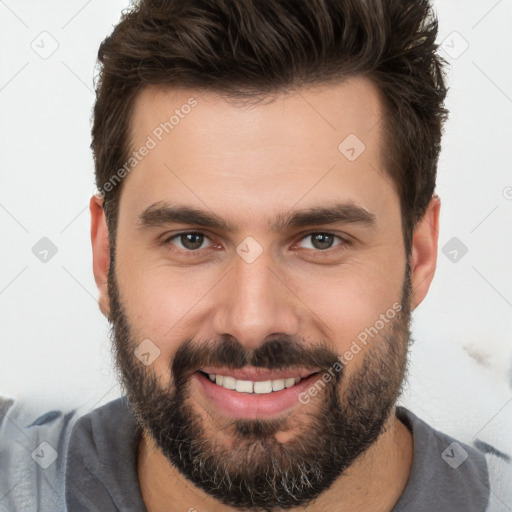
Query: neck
x: 374, y: 482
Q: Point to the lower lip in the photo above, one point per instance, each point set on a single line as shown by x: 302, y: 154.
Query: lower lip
x: 253, y: 405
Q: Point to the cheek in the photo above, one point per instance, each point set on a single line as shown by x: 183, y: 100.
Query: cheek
x: 161, y: 302
x: 347, y: 300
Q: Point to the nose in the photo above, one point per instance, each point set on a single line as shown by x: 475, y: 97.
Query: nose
x: 256, y: 302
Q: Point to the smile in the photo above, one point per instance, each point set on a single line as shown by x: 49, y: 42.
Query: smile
x: 249, y: 386
x: 254, y: 398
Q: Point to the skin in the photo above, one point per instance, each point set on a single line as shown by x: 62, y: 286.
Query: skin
x: 246, y: 165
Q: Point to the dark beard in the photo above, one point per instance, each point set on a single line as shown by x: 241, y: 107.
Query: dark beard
x: 256, y: 471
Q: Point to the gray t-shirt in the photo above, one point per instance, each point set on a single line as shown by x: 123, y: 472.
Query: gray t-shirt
x: 89, y: 464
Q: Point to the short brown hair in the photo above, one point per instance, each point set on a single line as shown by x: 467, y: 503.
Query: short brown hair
x: 252, y: 49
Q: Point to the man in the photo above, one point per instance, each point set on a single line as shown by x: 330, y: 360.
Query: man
x: 265, y: 225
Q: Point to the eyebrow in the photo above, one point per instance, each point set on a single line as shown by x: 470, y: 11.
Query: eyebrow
x: 162, y: 213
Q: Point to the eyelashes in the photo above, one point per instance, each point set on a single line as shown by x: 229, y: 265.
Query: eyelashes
x: 200, y: 252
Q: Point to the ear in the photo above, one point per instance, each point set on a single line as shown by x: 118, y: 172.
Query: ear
x: 423, y: 259
x: 100, y: 251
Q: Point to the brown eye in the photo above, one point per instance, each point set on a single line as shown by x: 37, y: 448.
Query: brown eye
x: 322, y: 241
x: 192, y: 241
x: 188, y: 241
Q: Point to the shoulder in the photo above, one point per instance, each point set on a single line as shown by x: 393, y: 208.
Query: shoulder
x: 499, y: 463
x: 42, y: 454
x: 448, y: 473
x: 101, y: 428
x: 32, y: 456
x: 102, y: 460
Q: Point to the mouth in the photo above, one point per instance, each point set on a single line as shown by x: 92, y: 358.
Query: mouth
x: 255, y: 398
x: 254, y: 386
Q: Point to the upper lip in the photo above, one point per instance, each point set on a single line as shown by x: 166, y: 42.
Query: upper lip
x: 259, y: 374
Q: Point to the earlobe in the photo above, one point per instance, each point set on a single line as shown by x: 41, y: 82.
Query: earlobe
x: 100, y: 251
x: 423, y: 259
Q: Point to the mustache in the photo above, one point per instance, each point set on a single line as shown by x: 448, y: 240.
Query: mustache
x: 281, y: 352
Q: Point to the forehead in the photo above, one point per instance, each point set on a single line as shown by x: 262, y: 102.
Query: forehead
x: 317, y: 144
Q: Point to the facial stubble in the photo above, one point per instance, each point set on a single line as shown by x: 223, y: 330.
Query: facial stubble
x: 254, y: 470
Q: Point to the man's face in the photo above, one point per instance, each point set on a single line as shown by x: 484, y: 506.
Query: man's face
x: 286, y: 297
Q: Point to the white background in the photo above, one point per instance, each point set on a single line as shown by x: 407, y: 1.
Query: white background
x: 55, y: 350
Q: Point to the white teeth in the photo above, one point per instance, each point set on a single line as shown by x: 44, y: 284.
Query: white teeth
x: 264, y: 386
x: 244, y: 386
x: 249, y: 386
x: 277, y: 384
x: 228, y: 382
x: 288, y: 383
